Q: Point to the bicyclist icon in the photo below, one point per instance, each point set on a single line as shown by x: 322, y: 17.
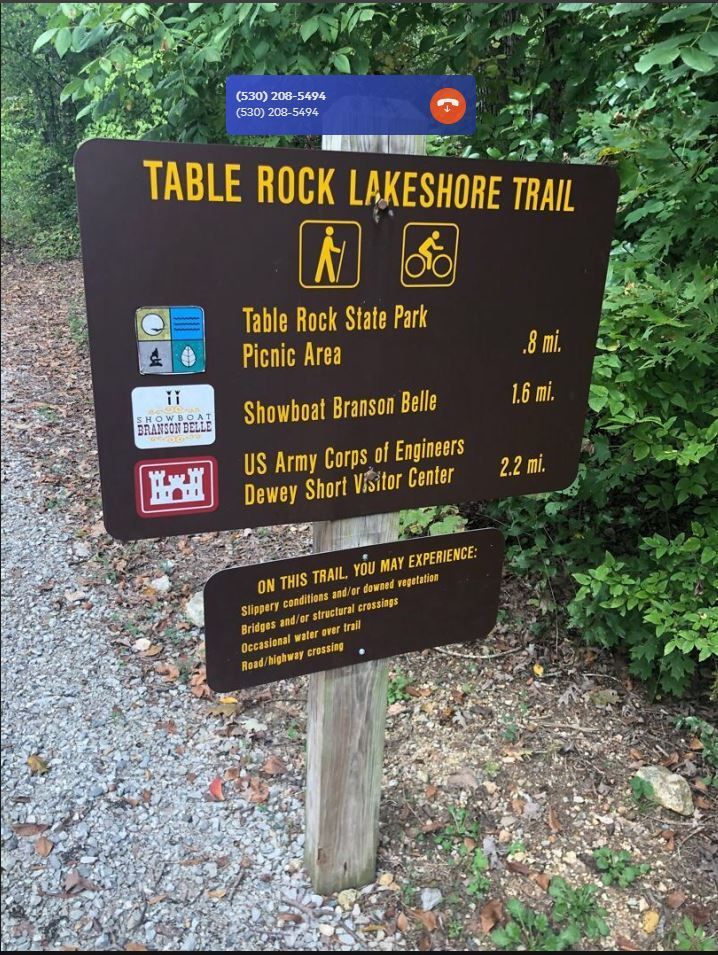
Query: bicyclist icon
x: 429, y: 254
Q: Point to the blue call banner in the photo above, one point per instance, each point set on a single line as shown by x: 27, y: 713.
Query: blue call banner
x: 342, y: 105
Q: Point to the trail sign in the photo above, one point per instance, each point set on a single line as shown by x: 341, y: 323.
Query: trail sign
x: 364, y: 357
x: 284, y: 618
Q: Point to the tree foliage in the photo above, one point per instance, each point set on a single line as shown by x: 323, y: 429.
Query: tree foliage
x: 631, y: 84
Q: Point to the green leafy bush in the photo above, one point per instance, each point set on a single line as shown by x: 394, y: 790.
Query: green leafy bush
x: 420, y: 521
x: 631, y: 545
x: 689, y: 938
x: 618, y: 867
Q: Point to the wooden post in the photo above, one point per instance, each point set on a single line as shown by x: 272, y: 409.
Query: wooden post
x: 347, y: 707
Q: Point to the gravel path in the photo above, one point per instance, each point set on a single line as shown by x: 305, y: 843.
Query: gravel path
x: 140, y: 855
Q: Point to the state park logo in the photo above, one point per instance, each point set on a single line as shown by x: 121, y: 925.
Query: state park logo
x: 172, y: 486
x: 170, y: 339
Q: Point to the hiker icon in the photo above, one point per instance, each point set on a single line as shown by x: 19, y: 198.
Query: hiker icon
x: 429, y: 254
x: 329, y: 253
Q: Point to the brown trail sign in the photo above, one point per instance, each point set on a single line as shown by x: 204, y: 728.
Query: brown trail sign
x: 267, y: 347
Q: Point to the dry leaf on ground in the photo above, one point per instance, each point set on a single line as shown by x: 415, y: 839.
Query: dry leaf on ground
x: 215, y: 789
x: 29, y: 828
x: 44, y: 847
x: 37, y: 765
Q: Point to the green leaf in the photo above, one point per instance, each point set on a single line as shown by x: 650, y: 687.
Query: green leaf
x: 341, y: 61
x: 598, y: 397
x: 708, y: 42
x: 308, y: 28
x: 659, y: 55
x: 697, y: 60
x: 683, y: 10
x: 63, y: 41
x: 43, y: 39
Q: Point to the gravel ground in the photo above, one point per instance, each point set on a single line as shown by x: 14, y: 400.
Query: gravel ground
x: 125, y: 802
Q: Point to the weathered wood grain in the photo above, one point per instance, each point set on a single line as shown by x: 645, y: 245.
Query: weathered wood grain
x: 347, y: 707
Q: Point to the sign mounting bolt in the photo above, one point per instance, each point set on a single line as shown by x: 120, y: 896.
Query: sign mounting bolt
x: 381, y: 209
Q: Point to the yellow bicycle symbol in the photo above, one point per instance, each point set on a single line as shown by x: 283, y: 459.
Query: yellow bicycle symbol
x: 433, y: 261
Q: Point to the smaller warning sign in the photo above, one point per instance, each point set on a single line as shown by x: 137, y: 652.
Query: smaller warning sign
x: 176, y: 486
x: 280, y: 619
x: 170, y: 340
x: 173, y: 416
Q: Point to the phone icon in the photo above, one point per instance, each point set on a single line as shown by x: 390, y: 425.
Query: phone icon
x: 447, y: 105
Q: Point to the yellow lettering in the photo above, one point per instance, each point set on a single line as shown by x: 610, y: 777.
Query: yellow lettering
x: 172, y: 182
x: 153, y: 165
x: 195, y: 185
x: 231, y: 181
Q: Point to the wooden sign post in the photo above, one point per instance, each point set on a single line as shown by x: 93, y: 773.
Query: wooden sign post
x: 347, y: 708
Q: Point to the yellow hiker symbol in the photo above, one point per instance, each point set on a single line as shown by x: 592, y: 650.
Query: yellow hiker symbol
x: 429, y: 254
x: 329, y: 253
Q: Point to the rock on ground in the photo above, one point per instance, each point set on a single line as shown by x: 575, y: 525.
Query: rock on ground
x: 669, y: 790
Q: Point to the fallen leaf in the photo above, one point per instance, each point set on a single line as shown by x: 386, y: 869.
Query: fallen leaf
x: 542, y: 880
x: 520, y: 867
x: 427, y: 919
x: 624, y: 944
x: 670, y: 838
x: 538, y: 669
x: 424, y: 943
x: 402, y: 923
x: 223, y: 709
x: 136, y: 947
x: 290, y: 917
x: 695, y: 743
x: 431, y: 791
x: 215, y: 789
x: 702, y: 803
x: 386, y: 878
x: 216, y: 893
x: 257, y: 792
x: 228, y: 699
x: 153, y: 650
x: 141, y: 645
x: 396, y: 708
x: 675, y: 899
x: 418, y: 691
x: 432, y: 826
x: 156, y: 899
x: 167, y: 671
x: 491, y: 914
x: 29, y: 828
x: 463, y: 780
x: 650, y: 921
x: 44, y: 847
x: 76, y: 883
x: 273, y: 766
x: 37, y: 765
x: 698, y: 914
x: 554, y: 822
